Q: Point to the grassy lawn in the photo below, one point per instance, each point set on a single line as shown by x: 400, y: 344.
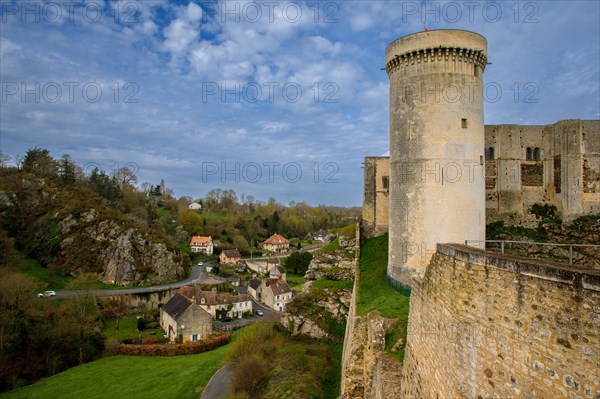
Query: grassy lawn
x: 330, y: 247
x: 130, y: 377
x: 295, y: 281
x: 374, y: 292
x: 45, y: 277
x: 128, y: 329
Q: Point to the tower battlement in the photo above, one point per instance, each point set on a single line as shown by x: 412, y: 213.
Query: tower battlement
x: 438, y: 47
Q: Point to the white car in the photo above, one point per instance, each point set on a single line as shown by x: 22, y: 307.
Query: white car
x: 200, y: 264
x: 46, y: 294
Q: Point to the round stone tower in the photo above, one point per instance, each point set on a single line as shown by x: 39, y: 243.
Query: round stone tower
x: 437, y: 175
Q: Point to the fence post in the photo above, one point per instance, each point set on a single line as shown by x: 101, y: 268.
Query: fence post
x: 502, y: 246
x: 570, y: 254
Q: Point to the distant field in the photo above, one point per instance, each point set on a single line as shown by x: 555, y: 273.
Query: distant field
x: 176, y: 377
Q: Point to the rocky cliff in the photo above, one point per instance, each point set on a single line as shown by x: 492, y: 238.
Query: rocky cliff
x: 321, y: 309
x: 71, y: 230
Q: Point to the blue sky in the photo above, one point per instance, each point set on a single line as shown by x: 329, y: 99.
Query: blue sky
x: 269, y: 98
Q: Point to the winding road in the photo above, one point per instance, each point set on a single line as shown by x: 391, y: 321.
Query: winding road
x: 197, y: 276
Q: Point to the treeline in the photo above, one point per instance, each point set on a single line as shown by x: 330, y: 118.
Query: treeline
x: 41, y: 337
x: 239, y: 221
x: 244, y: 222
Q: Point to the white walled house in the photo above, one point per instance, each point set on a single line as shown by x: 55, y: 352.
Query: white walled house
x: 202, y: 244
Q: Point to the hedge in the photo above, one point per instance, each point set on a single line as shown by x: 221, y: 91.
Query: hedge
x: 175, y: 349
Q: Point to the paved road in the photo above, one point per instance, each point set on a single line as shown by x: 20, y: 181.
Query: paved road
x: 218, y: 384
x: 198, y: 275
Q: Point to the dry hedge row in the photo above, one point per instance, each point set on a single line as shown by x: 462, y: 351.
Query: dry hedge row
x: 175, y: 349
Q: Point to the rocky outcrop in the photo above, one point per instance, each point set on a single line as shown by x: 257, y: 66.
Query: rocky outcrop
x: 347, y: 244
x: 120, y: 255
x: 334, y: 266
x: 298, y: 324
x: 336, y: 302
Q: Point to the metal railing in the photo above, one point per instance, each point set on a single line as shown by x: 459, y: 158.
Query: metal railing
x: 503, y: 242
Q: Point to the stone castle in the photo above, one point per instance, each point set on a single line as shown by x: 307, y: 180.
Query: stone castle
x: 481, y: 324
x: 557, y: 164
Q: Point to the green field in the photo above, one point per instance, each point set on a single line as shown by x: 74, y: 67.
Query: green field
x: 374, y: 292
x: 295, y: 282
x: 176, y: 377
x: 128, y: 329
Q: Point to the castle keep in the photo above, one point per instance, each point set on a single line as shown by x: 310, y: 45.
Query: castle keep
x: 437, y: 183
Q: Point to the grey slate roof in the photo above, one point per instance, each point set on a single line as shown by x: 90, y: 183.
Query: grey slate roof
x: 231, y: 253
x: 177, y: 306
x: 255, y: 284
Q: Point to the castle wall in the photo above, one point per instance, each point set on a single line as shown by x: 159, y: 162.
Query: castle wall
x: 494, y: 326
x: 375, y: 215
x: 567, y: 175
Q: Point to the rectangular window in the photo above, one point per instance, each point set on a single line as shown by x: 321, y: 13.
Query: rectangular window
x: 463, y: 122
x: 386, y: 181
x: 194, y: 337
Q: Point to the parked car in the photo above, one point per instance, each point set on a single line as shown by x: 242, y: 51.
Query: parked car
x: 226, y: 319
x: 200, y: 264
x: 46, y: 294
x: 260, y: 313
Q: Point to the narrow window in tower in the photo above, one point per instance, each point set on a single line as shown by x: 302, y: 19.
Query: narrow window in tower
x: 464, y: 123
x: 477, y: 71
x: 529, y: 154
x: 536, y: 153
x: 386, y: 182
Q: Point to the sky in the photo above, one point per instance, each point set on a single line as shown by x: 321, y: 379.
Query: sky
x: 269, y: 98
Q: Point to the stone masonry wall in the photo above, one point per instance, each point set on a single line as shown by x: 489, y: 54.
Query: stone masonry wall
x: 485, y: 325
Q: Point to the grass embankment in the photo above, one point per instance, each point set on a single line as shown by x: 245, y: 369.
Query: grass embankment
x: 130, y: 377
x: 269, y: 363
x: 295, y: 281
x: 374, y: 292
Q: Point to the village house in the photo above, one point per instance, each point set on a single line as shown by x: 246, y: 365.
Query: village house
x: 275, y: 293
x: 276, y: 243
x: 194, y: 206
x: 202, y: 244
x: 277, y: 271
x: 254, y: 287
x: 230, y: 257
x: 183, y: 320
x: 219, y: 305
x: 259, y: 267
x: 320, y: 235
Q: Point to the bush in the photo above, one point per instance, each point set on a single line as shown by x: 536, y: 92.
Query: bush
x: 298, y: 262
x: 249, y: 375
x: 150, y: 341
x: 175, y: 349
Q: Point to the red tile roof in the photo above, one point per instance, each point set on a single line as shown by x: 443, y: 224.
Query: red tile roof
x: 202, y: 241
x: 276, y: 239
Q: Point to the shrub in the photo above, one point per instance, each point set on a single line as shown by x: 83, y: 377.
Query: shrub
x: 175, y: 349
x: 249, y: 375
x: 150, y: 341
